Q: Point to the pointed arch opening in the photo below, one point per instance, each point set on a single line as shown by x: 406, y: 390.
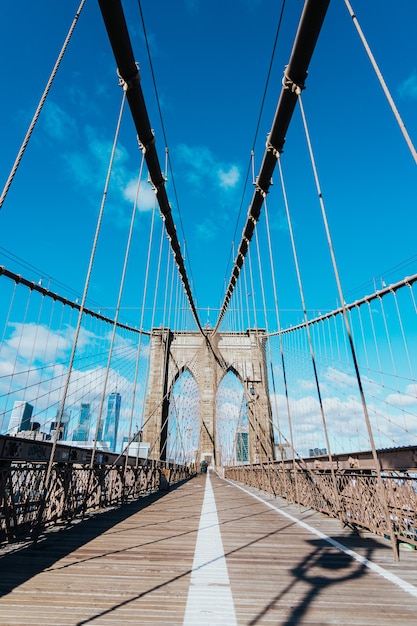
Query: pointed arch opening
x: 232, y: 433
x: 183, y: 441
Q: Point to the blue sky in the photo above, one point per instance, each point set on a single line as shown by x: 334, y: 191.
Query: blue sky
x: 210, y: 61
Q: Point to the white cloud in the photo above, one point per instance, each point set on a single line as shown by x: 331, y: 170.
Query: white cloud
x: 307, y: 385
x: 206, y: 229
x: 408, y: 87
x: 35, y: 342
x: 87, y: 166
x: 203, y: 167
x: 229, y: 178
x: 408, y: 398
x: 146, y: 196
x: 57, y: 123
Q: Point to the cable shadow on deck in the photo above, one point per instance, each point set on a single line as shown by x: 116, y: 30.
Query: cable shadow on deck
x: 323, y: 567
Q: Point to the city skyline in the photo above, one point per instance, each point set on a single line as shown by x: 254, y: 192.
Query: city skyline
x: 78, y: 428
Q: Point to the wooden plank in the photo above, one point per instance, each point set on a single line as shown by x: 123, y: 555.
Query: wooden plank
x: 132, y: 566
x: 282, y: 574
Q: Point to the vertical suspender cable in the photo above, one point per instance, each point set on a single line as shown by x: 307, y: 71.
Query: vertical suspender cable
x: 116, y: 317
x: 268, y: 341
x: 310, y: 343
x: 252, y: 286
x: 146, y: 380
x: 281, y: 349
x: 80, y: 316
x: 349, y: 333
x: 246, y: 297
x: 142, y: 315
x: 22, y: 328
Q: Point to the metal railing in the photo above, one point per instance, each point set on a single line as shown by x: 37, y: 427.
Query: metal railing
x: 76, y: 489
x: 358, y: 503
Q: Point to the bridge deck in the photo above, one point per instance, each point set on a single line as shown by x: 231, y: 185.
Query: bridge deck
x: 144, y: 565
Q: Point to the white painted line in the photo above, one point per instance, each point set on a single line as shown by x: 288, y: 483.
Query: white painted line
x: 210, y: 600
x: 396, y: 580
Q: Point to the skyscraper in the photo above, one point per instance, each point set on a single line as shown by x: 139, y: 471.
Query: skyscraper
x: 21, y: 416
x: 82, y: 432
x: 112, y: 420
x: 63, y: 429
x: 242, y: 446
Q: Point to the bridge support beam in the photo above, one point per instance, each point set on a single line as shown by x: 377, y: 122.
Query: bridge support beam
x: 155, y: 428
x: 261, y: 436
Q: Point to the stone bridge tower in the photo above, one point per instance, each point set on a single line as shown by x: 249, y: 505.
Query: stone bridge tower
x: 208, y: 358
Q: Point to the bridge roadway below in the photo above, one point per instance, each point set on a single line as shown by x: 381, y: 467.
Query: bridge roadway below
x: 207, y: 552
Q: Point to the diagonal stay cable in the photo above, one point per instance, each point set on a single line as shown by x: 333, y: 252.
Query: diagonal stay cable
x: 40, y: 106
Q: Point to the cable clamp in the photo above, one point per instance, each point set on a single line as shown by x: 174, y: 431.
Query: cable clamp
x: 140, y: 144
x: 144, y: 147
x: 261, y: 191
x: 289, y: 84
x: 132, y: 82
x: 272, y: 149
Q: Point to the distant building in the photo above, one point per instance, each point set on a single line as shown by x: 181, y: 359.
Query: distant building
x: 34, y: 434
x: 21, y: 416
x: 111, y: 423
x: 242, y: 446
x: 63, y: 428
x: 283, y: 452
x: 136, y: 448
x: 82, y: 432
x: 318, y: 451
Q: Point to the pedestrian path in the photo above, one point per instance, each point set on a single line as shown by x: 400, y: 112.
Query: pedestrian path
x: 212, y: 553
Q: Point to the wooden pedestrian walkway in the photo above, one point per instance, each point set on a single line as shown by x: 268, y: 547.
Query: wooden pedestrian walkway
x: 210, y: 553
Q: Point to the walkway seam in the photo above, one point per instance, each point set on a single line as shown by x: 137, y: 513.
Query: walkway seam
x: 210, y: 600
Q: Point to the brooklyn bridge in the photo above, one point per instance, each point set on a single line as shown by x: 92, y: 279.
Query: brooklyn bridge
x: 168, y: 456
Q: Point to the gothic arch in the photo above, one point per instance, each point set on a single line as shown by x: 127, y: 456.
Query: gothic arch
x: 231, y: 417
x: 183, y: 431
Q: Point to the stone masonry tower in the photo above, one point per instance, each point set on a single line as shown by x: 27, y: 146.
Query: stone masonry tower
x: 208, y: 358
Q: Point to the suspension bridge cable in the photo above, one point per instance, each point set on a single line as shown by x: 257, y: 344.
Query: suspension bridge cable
x: 80, y: 314
x: 119, y: 38
x: 158, y: 102
x: 309, y: 339
x: 347, y: 324
x: 136, y: 374
x: 146, y: 378
x: 382, y: 82
x: 40, y: 273
x: 116, y: 317
x: 258, y: 251
x: 295, y: 74
x: 142, y: 315
x: 32, y: 286
x: 258, y: 123
x: 40, y: 106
